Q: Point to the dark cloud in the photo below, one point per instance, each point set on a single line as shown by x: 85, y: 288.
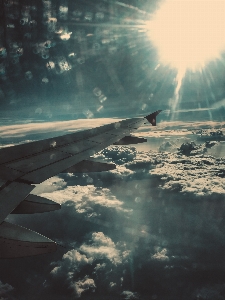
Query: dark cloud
x: 100, y: 257
x: 127, y: 295
x: 5, y: 290
x: 212, y: 292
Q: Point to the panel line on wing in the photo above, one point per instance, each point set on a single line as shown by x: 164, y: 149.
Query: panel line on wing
x: 37, y: 161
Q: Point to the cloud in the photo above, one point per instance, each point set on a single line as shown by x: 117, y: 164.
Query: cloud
x: 5, y: 288
x: 211, y: 292
x: 24, y: 130
x: 72, y: 263
x: 219, y: 104
x: 137, y: 189
x: 50, y: 185
x: 198, y: 175
x: 81, y: 269
x: 118, y: 155
x: 169, y: 128
x: 177, y: 173
x: 128, y: 295
x: 86, y: 198
x: 5, y: 291
x: 153, y: 222
x: 161, y: 255
x: 102, y: 247
x: 72, y: 260
x: 166, y: 146
x: 84, y: 285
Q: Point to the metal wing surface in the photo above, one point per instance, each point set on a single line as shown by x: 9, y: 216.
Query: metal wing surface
x: 23, y: 166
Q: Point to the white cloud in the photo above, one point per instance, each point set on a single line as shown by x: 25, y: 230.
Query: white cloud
x: 51, y: 185
x: 72, y: 260
x: 171, y: 128
x: 20, y: 130
x: 86, y: 198
x: 99, y: 256
x: 68, y: 271
x: 167, y: 146
x: 83, y: 285
x: 199, y: 175
x: 5, y: 291
x: 219, y: 104
x: 161, y: 255
x: 118, y: 155
x: 128, y: 295
x: 102, y: 247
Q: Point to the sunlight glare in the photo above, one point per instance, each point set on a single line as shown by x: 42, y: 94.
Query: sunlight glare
x: 188, y: 33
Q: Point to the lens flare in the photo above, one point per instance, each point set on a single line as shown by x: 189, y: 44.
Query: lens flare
x: 188, y: 33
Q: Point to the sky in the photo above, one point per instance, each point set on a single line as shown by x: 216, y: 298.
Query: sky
x: 153, y: 228
x: 67, y: 60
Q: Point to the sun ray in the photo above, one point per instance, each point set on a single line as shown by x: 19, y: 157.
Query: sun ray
x: 188, y: 34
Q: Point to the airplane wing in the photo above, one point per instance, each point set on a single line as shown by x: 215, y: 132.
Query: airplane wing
x: 23, y: 166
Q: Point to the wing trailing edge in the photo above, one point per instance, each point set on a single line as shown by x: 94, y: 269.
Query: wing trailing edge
x: 17, y: 241
x: 129, y: 139
x: 11, y: 196
x: 86, y: 166
x: 35, y: 204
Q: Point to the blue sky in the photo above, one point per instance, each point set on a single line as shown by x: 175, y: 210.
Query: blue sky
x: 65, y: 60
x: 153, y: 228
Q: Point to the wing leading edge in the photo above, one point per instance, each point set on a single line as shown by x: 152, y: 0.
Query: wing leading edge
x: 23, y: 166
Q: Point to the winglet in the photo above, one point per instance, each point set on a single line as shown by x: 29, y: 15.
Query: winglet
x: 152, y: 117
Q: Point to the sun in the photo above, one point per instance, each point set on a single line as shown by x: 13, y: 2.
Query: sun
x: 188, y: 33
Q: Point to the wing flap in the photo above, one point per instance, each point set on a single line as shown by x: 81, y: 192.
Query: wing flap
x: 35, y: 204
x: 127, y: 140
x: 86, y: 166
x: 17, y: 241
x: 11, y: 196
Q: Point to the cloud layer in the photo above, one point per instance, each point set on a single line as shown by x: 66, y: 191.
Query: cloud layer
x: 99, y: 256
x: 139, y: 230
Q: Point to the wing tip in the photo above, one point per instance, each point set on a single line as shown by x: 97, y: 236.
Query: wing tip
x: 152, y: 117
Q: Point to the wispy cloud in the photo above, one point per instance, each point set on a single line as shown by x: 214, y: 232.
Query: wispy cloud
x: 22, y: 130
